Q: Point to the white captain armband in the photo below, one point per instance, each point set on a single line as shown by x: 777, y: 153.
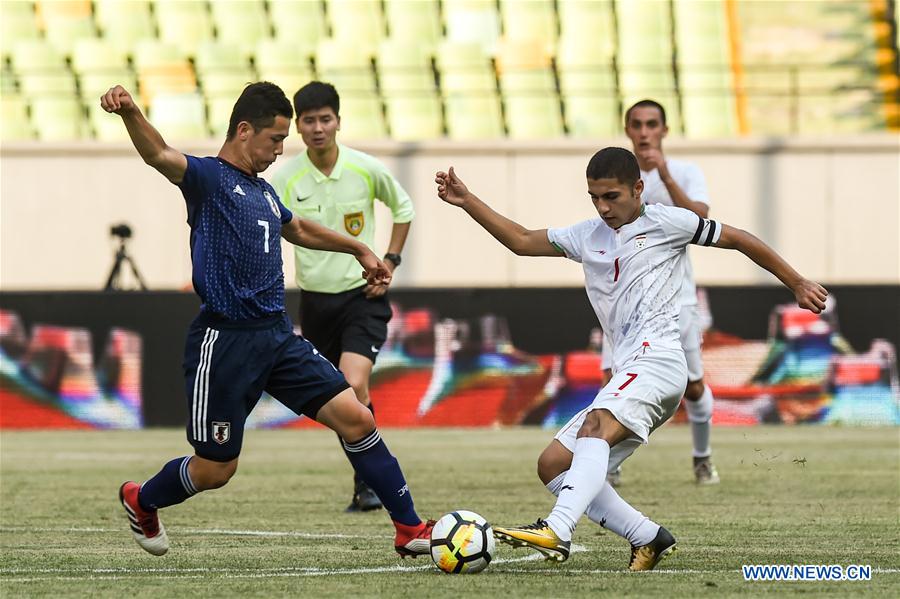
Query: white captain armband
x: 708, y: 232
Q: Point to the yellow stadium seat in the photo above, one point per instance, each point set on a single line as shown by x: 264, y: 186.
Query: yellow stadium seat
x: 185, y: 24
x: 287, y: 64
x: 295, y: 20
x: 218, y: 114
x: 36, y: 55
x: 531, y: 20
x: 41, y: 84
x: 94, y: 84
x: 403, y: 67
x: 152, y: 53
x: 414, y: 20
x: 415, y: 117
x: 472, y: 21
x: 91, y: 55
x: 361, y: 117
x: 473, y: 116
x: 14, y: 125
x: 533, y: 116
x: 65, y: 21
x: 220, y: 56
x: 175, y: 79
x: 357, y: 20
x: 345, y: 65
x: 592, y: 115
x: 524, y: 66
x: 588, y: 19
x: 57, y: 118
x: 584, y: 67
x: 105, y: 126
x: 464, y: 67
x: 124, y: 21
x: 17, y: 23
x: 241, y: 22
x: 179, y: 116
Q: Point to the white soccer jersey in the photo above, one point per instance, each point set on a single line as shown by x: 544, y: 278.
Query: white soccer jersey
x: 634, y: 274
x: 690, y: 179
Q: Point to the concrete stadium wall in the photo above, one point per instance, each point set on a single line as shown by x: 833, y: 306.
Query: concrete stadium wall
x: 830, y: 206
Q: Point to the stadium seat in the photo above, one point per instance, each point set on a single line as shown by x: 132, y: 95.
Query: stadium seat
x: 361, y: 117
x: 645, y: 53
x: 124, y: 21
x: 473, y: 116
x: 241, y: 23
x: 14, y: 125
x: 17, y: 23
x: 162, y: 67
x: 93, y: 85
x: 533, y: 116
x: 91, y: 55
x: 359, y: 20
x: 531, y: 20
x: 592, y: 115
x: 296, y: 22
x: 524, y: 67
x: 584, y: 67
x: 472, y: 21
x: 105, y: 126
x: 465, y: 68
x: 418, y: 21
x: 403, y: 67
x: 346, y: 66
x: 185, y: 24
x: 65, y: 21
x: 220, y: 57
x: 415, y: 117
x: 218, y: 110
x: 41, y: 69
x: 57, y: 119
x: 179, y: 116
x: 588, y: 19
x: 285, y: 63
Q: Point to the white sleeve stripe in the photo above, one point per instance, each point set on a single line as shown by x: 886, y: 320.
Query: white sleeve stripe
x: 708, y: 232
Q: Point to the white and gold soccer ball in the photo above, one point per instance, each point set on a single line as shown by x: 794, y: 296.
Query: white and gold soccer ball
x: 462, y: 542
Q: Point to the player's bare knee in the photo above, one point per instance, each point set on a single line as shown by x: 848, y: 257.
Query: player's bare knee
x: 694, y: 390
x: 357, y: 424
x: 553, y: 461
x: 207, y: 474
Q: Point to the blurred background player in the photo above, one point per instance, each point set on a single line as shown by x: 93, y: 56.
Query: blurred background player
x: 632, y: 258
x: 336, y: 186
x: 242, y: 343
x: 676, y: 183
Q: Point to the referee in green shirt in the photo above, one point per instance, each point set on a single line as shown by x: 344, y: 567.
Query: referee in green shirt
x: 334, y: 185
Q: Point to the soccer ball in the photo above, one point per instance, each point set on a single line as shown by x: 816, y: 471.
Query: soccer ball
x: 462, y: 542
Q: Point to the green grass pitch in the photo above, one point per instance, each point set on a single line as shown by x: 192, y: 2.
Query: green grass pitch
x: 789, y: 495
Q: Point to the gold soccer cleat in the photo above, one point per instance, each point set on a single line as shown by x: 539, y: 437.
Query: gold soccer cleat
x: 538, y: 536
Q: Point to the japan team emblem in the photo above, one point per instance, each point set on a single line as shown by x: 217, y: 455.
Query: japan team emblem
x: 354, y: 223
x: 640, y: 241
x: 272, y: 205
x: 221, y: 432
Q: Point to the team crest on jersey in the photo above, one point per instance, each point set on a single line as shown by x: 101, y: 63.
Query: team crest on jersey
x: 354, y: 223
x: 272, y: 204
x: 221, y: 432
x: 640, y: 241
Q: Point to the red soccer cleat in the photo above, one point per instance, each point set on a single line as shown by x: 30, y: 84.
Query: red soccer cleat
x: 146, y: 528
x: 413, y: 541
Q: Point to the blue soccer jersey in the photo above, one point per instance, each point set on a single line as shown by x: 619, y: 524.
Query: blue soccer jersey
x: 235, y: 221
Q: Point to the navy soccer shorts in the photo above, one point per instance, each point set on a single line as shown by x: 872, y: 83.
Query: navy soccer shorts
x: 227, y: 366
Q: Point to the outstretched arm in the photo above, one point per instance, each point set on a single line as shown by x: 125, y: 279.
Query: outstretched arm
x: 810, y: 295
x: 146, y: 139
x: 312, y: 235
x: 521, y: 241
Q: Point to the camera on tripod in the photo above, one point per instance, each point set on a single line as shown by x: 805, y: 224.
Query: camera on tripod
x: 123, y: 232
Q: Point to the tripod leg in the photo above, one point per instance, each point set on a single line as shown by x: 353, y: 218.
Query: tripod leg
x: 137, y: 275
x: 112, y: 282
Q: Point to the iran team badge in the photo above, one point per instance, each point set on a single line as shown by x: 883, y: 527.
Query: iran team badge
x: 354, y: 223
x: 221, y: 432
x: 640, y: 241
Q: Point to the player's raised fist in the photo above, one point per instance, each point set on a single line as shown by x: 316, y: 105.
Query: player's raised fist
x: 811, y: 296
x: 451, y: 189
x: 117, y: 100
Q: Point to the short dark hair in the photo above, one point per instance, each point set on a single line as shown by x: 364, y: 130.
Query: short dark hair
x: 614, y: 163
x: 646, y: 103
x: 315, y: 95
x: 258, y: 105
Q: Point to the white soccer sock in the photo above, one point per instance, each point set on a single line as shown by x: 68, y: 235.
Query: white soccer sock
x: 700, y: 413
x: 582, y: 484
x: 613, y: 513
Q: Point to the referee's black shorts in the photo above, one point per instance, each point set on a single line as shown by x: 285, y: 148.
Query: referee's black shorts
x: 345, y: 322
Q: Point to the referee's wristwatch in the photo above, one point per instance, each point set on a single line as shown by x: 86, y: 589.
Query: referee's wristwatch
x: 394, y: 258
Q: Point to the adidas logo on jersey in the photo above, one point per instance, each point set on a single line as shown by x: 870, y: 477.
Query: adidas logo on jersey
x: 237, y: 189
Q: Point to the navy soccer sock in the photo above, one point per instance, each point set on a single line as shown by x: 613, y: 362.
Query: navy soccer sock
x: 356, y: 477
x: 379, y: 469
x: 170, y: 486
